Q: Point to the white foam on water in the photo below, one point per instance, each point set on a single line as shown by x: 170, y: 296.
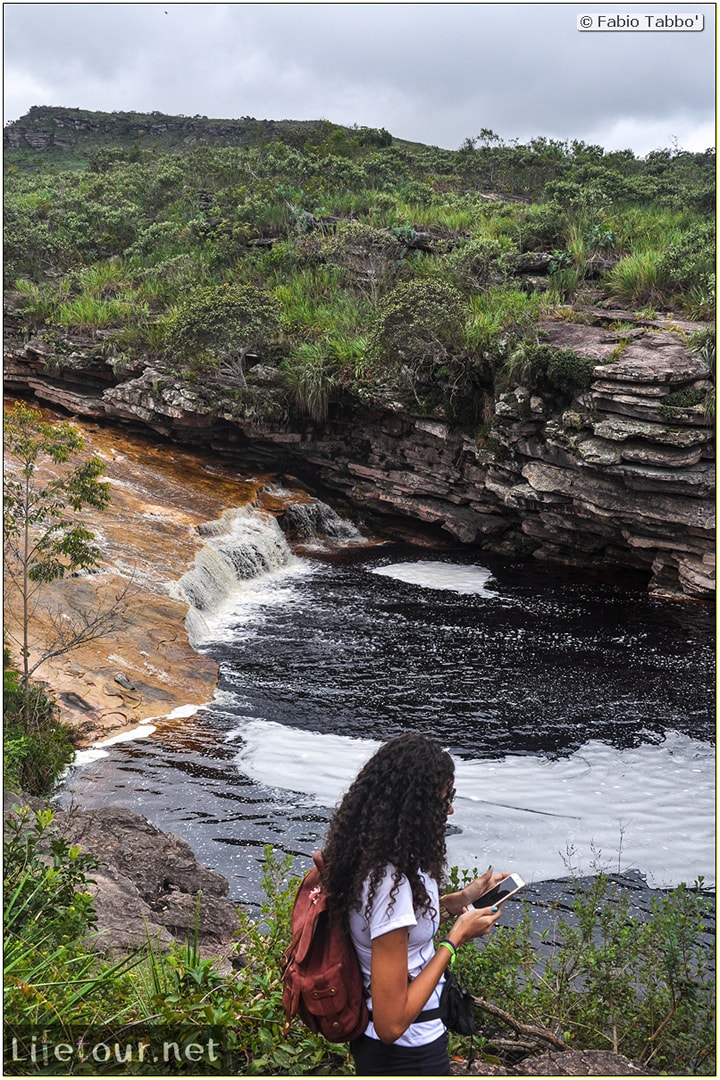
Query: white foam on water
x: 306, y: 762
x: 649, y: 808
x: 99, y: 749
x: 440, y: 575
x: 140, y: 732
x: 85, y: 757
x: 183, y: 711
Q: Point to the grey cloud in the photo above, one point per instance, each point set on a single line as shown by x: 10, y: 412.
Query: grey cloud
x: 432, y: 72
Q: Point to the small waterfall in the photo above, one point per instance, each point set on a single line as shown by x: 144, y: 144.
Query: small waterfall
x: 304, y: 522
x: 247, y: 544
x: 244, y: 544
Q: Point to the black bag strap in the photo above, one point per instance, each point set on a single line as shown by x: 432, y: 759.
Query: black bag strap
x: 424, y: 1016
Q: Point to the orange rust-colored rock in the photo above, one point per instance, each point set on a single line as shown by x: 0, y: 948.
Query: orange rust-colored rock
x: 148, y: 535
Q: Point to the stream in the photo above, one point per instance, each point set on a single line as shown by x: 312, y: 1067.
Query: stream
x: 580, y: 713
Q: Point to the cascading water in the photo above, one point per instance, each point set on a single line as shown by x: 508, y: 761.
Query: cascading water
x: 579, y: 714
x: 245, y: 544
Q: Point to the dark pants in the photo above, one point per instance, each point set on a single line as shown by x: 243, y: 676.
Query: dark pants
x: 374, y: 1058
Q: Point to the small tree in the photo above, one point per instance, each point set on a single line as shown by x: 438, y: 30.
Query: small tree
x: 45, y: 538
x: 417, y: 338
x: 218, y: 326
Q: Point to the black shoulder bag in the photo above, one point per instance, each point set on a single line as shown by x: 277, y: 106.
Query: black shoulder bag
x: 456, y: 1010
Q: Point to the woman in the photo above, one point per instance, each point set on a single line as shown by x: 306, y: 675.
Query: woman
x: 384, y: 859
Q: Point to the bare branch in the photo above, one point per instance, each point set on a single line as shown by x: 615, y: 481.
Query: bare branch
x: 72, y: 627
x: 516, y: 1025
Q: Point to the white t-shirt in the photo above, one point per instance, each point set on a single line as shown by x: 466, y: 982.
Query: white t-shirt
x: 422, y: 928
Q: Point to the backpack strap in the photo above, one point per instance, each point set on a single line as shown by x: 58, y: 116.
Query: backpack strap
x: 317, y: 858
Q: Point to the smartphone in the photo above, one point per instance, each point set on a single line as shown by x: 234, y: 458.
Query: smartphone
x: 505, y: 888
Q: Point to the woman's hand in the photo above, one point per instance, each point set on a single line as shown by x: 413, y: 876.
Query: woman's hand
x: 473, y: 923
x: 455, y: 903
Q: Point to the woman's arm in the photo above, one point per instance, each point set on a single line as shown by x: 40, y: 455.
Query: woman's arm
x: 396, y: 1001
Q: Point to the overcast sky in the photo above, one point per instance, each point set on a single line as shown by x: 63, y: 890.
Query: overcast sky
x: 434, y: 73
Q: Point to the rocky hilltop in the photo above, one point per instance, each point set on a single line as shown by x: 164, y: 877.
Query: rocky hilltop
x: 621, y: 478
x: 77, y: 133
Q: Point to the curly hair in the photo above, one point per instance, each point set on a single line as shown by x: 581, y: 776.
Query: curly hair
x: 395, y: 813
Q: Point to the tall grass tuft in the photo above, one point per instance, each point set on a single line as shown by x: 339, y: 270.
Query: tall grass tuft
x: 89, y: 313
x: 311, y: 375
x: 104, y: 280
x: 39, y: 302
x: 499, y: 314
x: 639, y: 278
x: 564, y: 283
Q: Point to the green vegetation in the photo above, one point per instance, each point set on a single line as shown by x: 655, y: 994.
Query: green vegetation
x: 304, y: 245
x: 36, y: 744
x: 608, y: 979
x: 642, y: 987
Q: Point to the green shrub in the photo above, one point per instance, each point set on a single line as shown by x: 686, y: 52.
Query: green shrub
x: 37, y: 746
x: 609, y: 978
x: 689, y: 260
x: 418, y: 330
x: 542, y: 367
x: 541, y: 226
x: 474, y: 263
x: 568, y: 372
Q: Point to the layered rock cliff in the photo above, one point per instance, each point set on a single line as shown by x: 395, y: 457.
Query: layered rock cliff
x: 622, y: 476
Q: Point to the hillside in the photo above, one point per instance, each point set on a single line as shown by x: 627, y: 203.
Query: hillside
x: 73, y: 137
x: 544, y: 310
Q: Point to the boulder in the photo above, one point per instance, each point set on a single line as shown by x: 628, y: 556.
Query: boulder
x: 147, y: 882
x: 559, y: 1063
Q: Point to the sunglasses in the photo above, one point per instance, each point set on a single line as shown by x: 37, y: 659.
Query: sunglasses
x: 449, y: 799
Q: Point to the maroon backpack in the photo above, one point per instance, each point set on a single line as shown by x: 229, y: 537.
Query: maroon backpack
x: 322, y: 981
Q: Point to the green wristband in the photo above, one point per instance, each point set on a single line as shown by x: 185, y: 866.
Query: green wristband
x: 451, y: 948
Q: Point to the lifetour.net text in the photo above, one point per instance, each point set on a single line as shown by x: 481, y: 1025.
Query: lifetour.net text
x: 42, y: 1049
